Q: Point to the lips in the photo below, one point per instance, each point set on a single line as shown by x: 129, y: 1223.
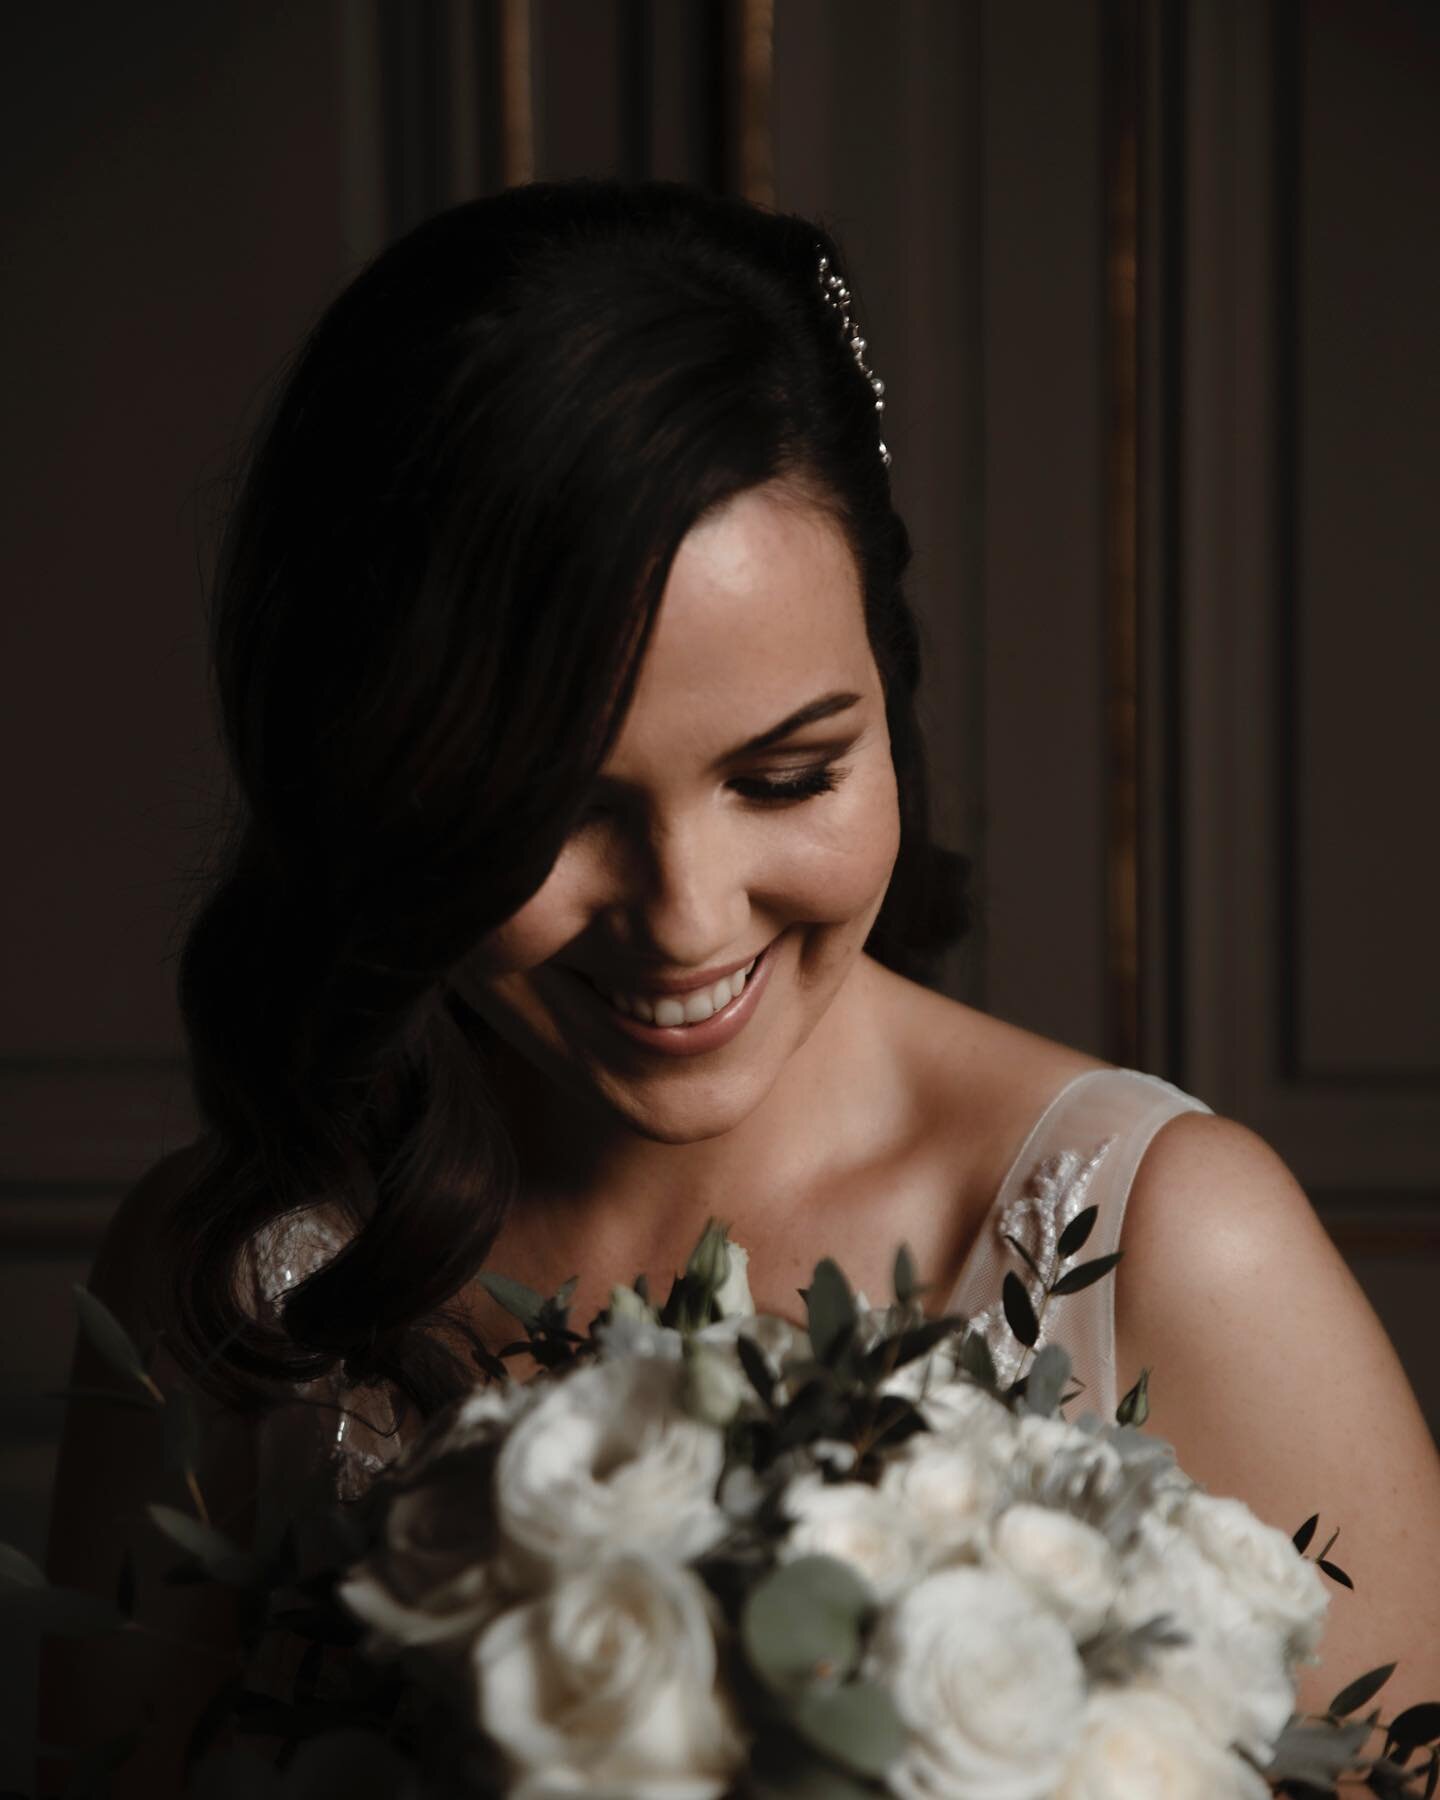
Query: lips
x: 689, y: 1039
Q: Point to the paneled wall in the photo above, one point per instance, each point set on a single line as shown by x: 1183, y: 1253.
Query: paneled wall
x: 1152, y: 287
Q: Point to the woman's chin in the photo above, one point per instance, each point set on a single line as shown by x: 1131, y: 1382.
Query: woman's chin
x: 690, y: 1112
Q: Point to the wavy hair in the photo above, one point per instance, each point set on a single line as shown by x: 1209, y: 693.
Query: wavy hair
x: 432, y: 597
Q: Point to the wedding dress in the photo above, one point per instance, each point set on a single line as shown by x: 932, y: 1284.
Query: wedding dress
x: 1082, y: 1151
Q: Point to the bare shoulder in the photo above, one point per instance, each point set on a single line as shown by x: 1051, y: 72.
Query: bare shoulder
x: 1276, y: 1382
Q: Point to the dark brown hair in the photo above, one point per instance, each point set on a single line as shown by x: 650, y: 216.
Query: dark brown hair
x: 431, y: 601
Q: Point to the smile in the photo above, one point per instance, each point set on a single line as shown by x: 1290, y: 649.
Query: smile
x: 687, y: 1023
x: 691, y: 1008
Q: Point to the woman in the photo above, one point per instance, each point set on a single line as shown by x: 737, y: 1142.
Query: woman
x: 579, y: 876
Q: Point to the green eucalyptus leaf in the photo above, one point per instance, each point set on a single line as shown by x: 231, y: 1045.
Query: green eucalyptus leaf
x: 1363, y: 1688
x: 904, y: 1282
x: 802, y: 1622
x: 1019, y: 1313
x: 143, y: 1401
x: 221, y: 1559
x: 1302, y: 1537
x: 1417, y: 1724
x: 1045, y: 1382
x: 109, y: 1336
x: 976, y: 1360
x: 1134, y: 1409
x: 856, y: 1724
x: 17, y: 1567
x: 519, y: 1301
x: 1024, y: 1255
x: 830, y: 1309
x: 1077, y: 1233
x: 1314, y: 1751
x: 1087, y: 1273
x: 757, y: 1368
x: 894, y: 1352
x: 1335, y: 1572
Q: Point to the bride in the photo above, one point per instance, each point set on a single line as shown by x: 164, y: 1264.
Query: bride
x: 578, y: 890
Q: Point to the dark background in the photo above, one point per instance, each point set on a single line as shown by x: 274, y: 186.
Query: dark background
x: 1154, y: 288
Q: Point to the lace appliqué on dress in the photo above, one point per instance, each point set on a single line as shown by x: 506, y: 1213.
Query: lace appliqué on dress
x: 351, y: 1431
x: 1055, y: 1191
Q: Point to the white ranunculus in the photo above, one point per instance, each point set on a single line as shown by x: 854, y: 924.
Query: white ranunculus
x: 988, y: 1684
x: 856, y: 1524
x: 733, y: 1295
x: 1145, y: 1746
x: 1283, y: 1588
x: 949, y: 1488
x: 608, y: 1460
x: 1063, y: 1562
x: 1231, y: 1675
x: 606, y: 1687
x: 631, y: 1333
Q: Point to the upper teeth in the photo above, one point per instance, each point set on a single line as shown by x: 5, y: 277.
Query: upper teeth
x: 682, y: 1009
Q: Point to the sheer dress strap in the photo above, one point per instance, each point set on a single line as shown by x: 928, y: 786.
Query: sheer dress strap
x: 1082, y: 1151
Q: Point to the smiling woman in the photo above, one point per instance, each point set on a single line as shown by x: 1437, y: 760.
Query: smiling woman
x: 580, y: 889
x: 721, y: 846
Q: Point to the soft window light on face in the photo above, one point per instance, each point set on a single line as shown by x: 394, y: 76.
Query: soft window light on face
x: 748, y: 809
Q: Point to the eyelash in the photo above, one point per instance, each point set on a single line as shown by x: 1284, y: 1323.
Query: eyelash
x: 789, y: 790
x: 803, y: 784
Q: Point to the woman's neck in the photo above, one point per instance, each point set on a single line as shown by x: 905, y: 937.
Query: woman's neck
x: 588, y: 1171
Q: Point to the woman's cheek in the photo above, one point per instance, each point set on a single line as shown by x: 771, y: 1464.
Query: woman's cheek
x: 840, y: 866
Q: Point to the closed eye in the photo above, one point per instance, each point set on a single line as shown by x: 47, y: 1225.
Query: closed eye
x: 798, y: 784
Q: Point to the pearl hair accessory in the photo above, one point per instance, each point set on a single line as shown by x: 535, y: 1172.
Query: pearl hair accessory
x: 838, y: 295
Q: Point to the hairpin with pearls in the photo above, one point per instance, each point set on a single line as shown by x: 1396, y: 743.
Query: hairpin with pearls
x: 838, y: 295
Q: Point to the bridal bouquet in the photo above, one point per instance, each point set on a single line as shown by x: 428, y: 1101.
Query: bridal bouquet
x: 707, y: 1553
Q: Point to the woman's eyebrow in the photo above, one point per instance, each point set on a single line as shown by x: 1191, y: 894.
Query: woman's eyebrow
x: 824, y: 708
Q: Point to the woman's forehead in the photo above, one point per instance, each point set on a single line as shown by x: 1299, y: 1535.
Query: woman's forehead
x: 762, y: 581
x: 762, y: 611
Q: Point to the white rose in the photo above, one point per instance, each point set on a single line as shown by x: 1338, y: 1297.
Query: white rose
x: 1063, y: 1562
x: 1144, y: 1746
x: 1283, y: 1588
x: 988, y: 1683
x: 856, y: 1524
x: 953, y: 1406
x: 1231, y: 1675
x: 606, y: 1687
x: 949, y: 1489
x: 434, y: 1576
x: 1062, y: 1461
x: 609, y: 1460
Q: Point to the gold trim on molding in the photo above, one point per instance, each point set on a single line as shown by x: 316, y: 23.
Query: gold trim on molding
x: 754, y: 89
x: 517, y: 93
x: 1122, y: 526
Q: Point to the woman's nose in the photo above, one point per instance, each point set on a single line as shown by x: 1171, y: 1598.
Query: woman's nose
x: 689, y: 902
